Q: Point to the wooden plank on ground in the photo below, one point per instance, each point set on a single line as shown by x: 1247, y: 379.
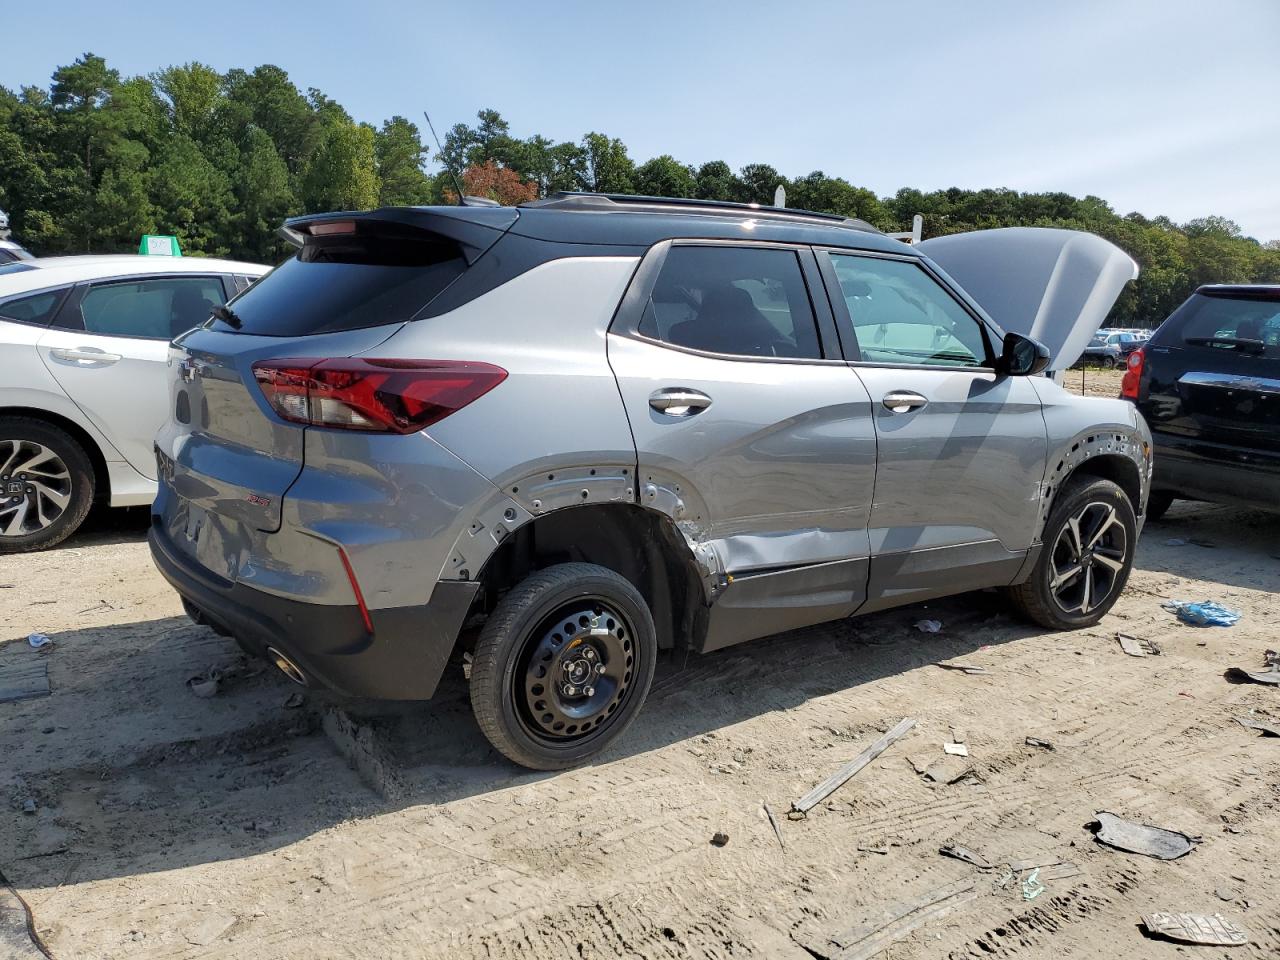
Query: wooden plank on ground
x: 24, y: 680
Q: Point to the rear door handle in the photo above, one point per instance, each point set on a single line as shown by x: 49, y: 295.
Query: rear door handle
x: 679, y: 401
x: 903, y: 401
x: 84, y: 356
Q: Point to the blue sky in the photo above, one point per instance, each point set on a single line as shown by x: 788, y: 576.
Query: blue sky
x: 1162, y: 106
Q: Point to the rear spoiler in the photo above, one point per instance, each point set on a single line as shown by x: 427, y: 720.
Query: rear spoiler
x: 474, y: 228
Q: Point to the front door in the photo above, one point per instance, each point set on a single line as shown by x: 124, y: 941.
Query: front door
x: 961, y: 448
x: 750, y: 431
x: 109, y: 347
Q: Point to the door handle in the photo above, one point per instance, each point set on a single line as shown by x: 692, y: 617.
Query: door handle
x: 904, y: 401
x: 679, y: 401
x: 84, y: 356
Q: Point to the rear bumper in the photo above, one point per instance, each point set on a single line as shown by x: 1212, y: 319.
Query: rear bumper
x: 1216, y: 472
x: 403, y: 659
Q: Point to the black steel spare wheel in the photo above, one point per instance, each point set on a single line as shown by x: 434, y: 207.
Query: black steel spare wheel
x: 563, y: 665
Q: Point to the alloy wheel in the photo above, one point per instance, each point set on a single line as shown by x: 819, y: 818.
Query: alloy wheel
x: 576, y: 670
x: 35, y: 487
x: 1088, y: 558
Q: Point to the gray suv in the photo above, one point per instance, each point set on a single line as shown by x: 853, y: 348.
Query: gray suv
x: 550, y: 442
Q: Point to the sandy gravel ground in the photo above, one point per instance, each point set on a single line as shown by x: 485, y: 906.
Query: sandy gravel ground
x: 165, y: 825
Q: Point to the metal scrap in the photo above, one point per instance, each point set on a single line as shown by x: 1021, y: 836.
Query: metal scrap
x: 962, y: 667
x: 1140, y: 838
x: 846, y: 773
x: 1037, y: 742
x: 1206, y: 929
x: 957, y: 852
x: 1267, y: 729
x: 1270, y: 674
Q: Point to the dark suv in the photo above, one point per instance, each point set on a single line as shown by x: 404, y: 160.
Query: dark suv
x: 1208, y: 384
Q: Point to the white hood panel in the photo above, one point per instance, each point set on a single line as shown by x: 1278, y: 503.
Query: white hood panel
x: 1055, y: 286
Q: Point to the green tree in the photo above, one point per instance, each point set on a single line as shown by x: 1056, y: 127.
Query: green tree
x: 192, y: 94
x: 665, y: 176
x: 716, y: 181
x: 606, y: 168
x: 401, y: 160
x: 342, y: 172
x: 265, y: 199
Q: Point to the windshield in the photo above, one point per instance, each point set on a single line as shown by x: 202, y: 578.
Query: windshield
x: 1231, y: 323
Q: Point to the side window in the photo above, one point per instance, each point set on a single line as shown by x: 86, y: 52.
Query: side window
x: 900, y: 314
x: 745, y: 301
x: 158, y: 309
x: 37, y: 308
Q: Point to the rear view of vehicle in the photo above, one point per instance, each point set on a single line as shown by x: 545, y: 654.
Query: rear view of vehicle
x: 1208, y: 384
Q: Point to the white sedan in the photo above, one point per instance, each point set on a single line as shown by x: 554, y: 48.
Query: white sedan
x: 83, y: 387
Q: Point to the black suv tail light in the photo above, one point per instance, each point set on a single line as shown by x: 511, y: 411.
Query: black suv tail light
x: 1133, y: 375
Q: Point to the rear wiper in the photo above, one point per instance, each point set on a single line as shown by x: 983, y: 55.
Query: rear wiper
x: 227, y: 316
x: 1240, y: 343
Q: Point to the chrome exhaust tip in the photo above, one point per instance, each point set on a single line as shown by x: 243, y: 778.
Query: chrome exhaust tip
x: 287, y: 667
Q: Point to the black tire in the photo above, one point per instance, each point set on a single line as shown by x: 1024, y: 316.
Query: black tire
x: 1087, y: 500
x: 18, y: 438
x: 517, y: 711
x: 1108, y: 363
x: 1158, y: 503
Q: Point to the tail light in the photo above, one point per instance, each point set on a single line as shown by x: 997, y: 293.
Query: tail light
x: 380, y: 396
x: 1132, y: 375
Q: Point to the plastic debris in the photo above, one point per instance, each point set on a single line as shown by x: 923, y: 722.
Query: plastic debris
x: 956, y: 749
x: 1209, y: 930
x: 207, y: 686
x: 929, y: 626
x: 1266, y: 729
x: 1141, y: 838
x: 1270, y: 674
x: 1205, y: 613
x: 1032, y: 887
x: 1138, y: 646
x: 38, y: 640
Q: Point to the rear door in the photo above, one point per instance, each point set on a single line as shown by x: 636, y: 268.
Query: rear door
x: 108, y: 347
x: 961, y: 448
x: 749, y: 428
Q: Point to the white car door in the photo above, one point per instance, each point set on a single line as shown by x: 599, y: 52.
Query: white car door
x: 108, y: 350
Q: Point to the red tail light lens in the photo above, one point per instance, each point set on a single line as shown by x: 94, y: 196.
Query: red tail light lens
x: 1132, y: 375
x: 381, y: 396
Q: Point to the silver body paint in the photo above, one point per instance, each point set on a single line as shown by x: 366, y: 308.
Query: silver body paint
x: 796, y: 496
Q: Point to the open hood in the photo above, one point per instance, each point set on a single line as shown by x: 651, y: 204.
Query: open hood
x: 1056, y: 286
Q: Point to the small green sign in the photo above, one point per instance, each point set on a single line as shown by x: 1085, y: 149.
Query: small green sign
x: 158, y: 246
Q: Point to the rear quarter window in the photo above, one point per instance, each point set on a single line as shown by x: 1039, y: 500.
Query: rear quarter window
x: 345, y: 283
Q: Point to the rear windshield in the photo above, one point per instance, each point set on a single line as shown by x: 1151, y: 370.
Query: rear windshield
x: 1229, y: 323
x: 344, y: 283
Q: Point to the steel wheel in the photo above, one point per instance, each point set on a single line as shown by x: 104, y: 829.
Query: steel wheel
x: 1088, y: 559
x: 35, y: 487
x: 576, y: 669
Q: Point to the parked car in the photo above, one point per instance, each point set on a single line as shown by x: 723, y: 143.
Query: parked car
x: 83, y: 346
x: 1208, y: 383
x: 1110, y: 349
x: 10, y: 251
x: 562, y: 437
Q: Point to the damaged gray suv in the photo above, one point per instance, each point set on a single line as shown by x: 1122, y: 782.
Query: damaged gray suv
x: 553, y: 441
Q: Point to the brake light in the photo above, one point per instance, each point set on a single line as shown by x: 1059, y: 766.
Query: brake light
x: 1132, y: 375
x: 375, y: 395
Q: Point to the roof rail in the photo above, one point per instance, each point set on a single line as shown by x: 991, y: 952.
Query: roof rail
x: 581, y: 200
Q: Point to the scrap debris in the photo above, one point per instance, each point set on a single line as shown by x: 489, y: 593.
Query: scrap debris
x: 1037, y: 742
x: 1208, y: 930
x: 773, y: 822
x: 1267, y: 729
x: 1140, y: 838
x: 962, y: 667
x: 1269, y: 675
x: 957, y: 852
x: 18, y: 937
x: 38, y: 640
x: 205, y: 686
x: 1138, y: 646
x: 1205, y: 613
x: 879, y: 927
x: 24, y: 680
x: 1031, y: 886
x: 846, y: 773
x: 955, y: 749
x: 719, y: 838
x: 929, y: 626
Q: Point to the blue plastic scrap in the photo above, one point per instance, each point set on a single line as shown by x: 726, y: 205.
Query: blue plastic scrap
x: 1206, y: 613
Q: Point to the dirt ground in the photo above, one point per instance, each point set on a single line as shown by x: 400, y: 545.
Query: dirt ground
x: 166, y: 825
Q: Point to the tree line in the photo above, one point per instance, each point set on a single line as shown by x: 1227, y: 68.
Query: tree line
x: 94, y: 160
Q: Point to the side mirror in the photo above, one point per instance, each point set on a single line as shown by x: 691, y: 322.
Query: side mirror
x: 1022, y: 356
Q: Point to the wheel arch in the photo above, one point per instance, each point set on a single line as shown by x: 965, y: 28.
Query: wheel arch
x: 641, y: 544
x: 92, y: 450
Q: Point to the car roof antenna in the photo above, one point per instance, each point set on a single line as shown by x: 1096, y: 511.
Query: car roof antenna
x: 457, y: 184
